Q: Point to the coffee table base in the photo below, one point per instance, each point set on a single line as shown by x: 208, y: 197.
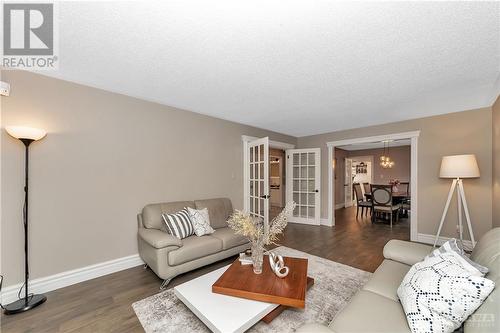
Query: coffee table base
x: 276, y: 312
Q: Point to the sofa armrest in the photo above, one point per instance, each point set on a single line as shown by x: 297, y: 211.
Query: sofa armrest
x: 158, y: 239
x: 408, y: 253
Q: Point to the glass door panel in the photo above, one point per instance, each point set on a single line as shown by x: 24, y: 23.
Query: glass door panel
x: 303, y: 175
x: 258, y: 151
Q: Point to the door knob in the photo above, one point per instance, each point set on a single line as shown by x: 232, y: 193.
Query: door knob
x: 316, y: 191
x: 265, y: 196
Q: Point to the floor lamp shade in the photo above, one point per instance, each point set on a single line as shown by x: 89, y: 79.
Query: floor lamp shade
x: 28, y: 133
x: 459, y: 166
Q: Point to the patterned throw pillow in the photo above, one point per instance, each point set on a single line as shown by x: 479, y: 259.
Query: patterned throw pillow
x: 179, y: 224
x: 441, y: 292
x: 452, y: 245
x: 201, y: 221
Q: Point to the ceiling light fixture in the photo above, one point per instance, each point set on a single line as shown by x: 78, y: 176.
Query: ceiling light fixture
x: 385, y: 159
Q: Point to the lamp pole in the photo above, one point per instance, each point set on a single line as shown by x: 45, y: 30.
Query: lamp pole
x: 29, y: 301
x: 27, y: 143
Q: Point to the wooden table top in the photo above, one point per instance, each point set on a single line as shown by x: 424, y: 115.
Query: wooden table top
x: 240, y: 281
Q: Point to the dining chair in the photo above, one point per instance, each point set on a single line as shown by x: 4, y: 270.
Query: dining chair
x: 406, y: 206
x: 404, y: 187
x: 367, y: 188
x: 406, y: 202
x: 382, y: 202
x: 360, y: 203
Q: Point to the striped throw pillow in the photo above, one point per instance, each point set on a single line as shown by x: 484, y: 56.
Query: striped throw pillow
x: 179, y: 224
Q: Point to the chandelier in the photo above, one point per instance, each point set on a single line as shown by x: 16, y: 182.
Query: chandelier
x: 385, y: 159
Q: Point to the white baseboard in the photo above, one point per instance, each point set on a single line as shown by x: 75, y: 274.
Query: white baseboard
x: 429, y: 239
x: 340, y: 205
x: 68, y: 278
x: 321, y: 222
x: 326, y: 222
x: 303, y: 222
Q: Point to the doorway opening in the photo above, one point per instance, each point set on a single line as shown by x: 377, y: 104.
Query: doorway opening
x: 277, y: 183
x: 362, y: 169
x: 358, y: 170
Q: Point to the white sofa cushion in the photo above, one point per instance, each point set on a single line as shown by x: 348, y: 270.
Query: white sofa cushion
x: 387, y: 278
x: 370, y: 312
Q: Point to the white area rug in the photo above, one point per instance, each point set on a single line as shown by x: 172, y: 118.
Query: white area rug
x: 334, y: 285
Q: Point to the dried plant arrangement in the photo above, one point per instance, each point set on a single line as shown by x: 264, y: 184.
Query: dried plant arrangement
x: 252, y: 228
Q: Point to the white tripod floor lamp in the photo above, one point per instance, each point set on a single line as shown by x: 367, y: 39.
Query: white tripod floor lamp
x: 458, y: 167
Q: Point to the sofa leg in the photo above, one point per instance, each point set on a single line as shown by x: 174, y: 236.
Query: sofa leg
x: 145, y: 266
x: 165, y: 283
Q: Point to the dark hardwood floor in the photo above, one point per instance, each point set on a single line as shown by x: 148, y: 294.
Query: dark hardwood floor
x: 354, y: 242
x: 104, y: 304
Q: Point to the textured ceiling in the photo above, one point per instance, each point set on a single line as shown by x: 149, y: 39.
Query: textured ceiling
x: 295, y: 67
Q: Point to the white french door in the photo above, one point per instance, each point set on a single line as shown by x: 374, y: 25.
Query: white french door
x: 348, y: 183
x: 303, y: 184
x: 258, y: 178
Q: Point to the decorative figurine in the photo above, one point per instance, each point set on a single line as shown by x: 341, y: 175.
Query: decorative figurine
x: 278, y: 265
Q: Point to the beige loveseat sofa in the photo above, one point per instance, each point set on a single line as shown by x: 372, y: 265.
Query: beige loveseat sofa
x: 168, y: 256
x: 376, y: 308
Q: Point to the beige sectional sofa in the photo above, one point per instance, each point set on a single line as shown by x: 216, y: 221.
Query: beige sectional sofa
x: 376, y: 308
x: 168, y: 256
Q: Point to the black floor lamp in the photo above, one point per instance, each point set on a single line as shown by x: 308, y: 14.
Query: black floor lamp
x: 26, y: 135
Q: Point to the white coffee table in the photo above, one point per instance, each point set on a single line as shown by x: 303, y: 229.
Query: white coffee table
x: 219, y: 312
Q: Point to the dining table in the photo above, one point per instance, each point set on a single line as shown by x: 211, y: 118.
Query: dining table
x: 397, y: 198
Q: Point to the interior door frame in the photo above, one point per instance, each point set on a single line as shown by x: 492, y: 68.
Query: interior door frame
x: 413, y: 136
x: 245, y: 140
x: 317, y: 178
x: 348, y: 183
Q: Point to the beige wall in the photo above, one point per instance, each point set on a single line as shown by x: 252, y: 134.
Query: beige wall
x: 455, y: 133
x: 340, y: 156
x: 496, y: 163
x: 400, y: 170
x: 105, y: 156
